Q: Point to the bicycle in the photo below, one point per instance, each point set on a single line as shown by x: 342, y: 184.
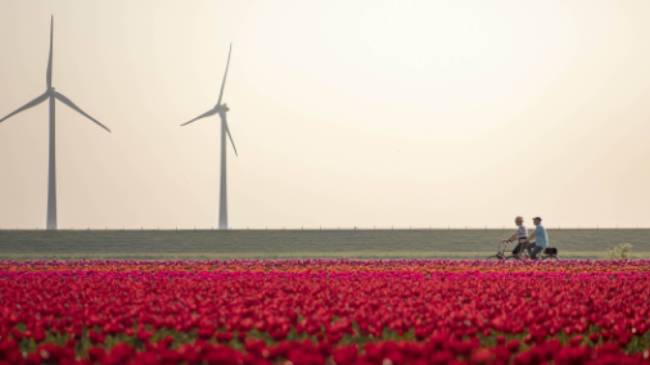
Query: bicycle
x: 522, y: 250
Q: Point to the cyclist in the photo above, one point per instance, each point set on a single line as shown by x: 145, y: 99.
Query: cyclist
x: 520, y: 236
x: 539, y: 237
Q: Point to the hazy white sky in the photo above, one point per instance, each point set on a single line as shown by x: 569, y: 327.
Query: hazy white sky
x: 345, y: 112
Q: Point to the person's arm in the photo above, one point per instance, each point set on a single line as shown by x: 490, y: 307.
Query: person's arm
x: 531, y: 238
x: 511, y: 238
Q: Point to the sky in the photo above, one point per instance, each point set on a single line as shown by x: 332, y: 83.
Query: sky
x: 366, y: 113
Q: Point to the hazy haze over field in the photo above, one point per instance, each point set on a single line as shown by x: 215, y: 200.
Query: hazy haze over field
x: 367, y: 113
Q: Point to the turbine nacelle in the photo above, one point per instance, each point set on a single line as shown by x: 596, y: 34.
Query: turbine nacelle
x: 221, y: 108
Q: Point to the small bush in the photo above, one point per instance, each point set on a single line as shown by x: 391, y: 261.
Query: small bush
x: 620, y: 251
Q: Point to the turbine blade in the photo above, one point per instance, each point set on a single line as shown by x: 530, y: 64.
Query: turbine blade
x: 204, y: 115
x: 225, y: 121
x: 62, y: 98
x: 31, y: 104
x: 223, y: 81
x: 50, y: 60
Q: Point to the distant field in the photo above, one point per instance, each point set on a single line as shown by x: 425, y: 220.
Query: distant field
x: 587, y: 243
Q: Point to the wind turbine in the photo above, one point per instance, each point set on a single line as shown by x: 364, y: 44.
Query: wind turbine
x: 51, y: 95
x: 222, y: 110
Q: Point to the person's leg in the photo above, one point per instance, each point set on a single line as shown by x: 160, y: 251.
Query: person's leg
x: 535, y: 251
x: 517, y: 250
x: 529, y: 249
x: 524, y: 245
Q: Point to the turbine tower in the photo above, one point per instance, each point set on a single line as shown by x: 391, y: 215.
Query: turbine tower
x: 51, y: 95
x: 222, y: 110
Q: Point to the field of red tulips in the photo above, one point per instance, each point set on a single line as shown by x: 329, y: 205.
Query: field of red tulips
x: 324, y: 312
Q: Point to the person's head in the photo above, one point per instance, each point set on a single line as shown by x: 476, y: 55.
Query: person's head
x: 519, y: 220
x: 537, y: 221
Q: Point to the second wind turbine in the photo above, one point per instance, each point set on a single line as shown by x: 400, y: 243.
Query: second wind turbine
x: 222, y: 110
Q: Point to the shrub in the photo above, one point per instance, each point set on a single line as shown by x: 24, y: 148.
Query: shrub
x: 620, y: 251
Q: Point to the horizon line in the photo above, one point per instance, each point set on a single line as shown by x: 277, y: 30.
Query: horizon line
x: 324, y: 228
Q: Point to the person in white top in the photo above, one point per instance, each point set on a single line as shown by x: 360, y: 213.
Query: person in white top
x: 520, y: 236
